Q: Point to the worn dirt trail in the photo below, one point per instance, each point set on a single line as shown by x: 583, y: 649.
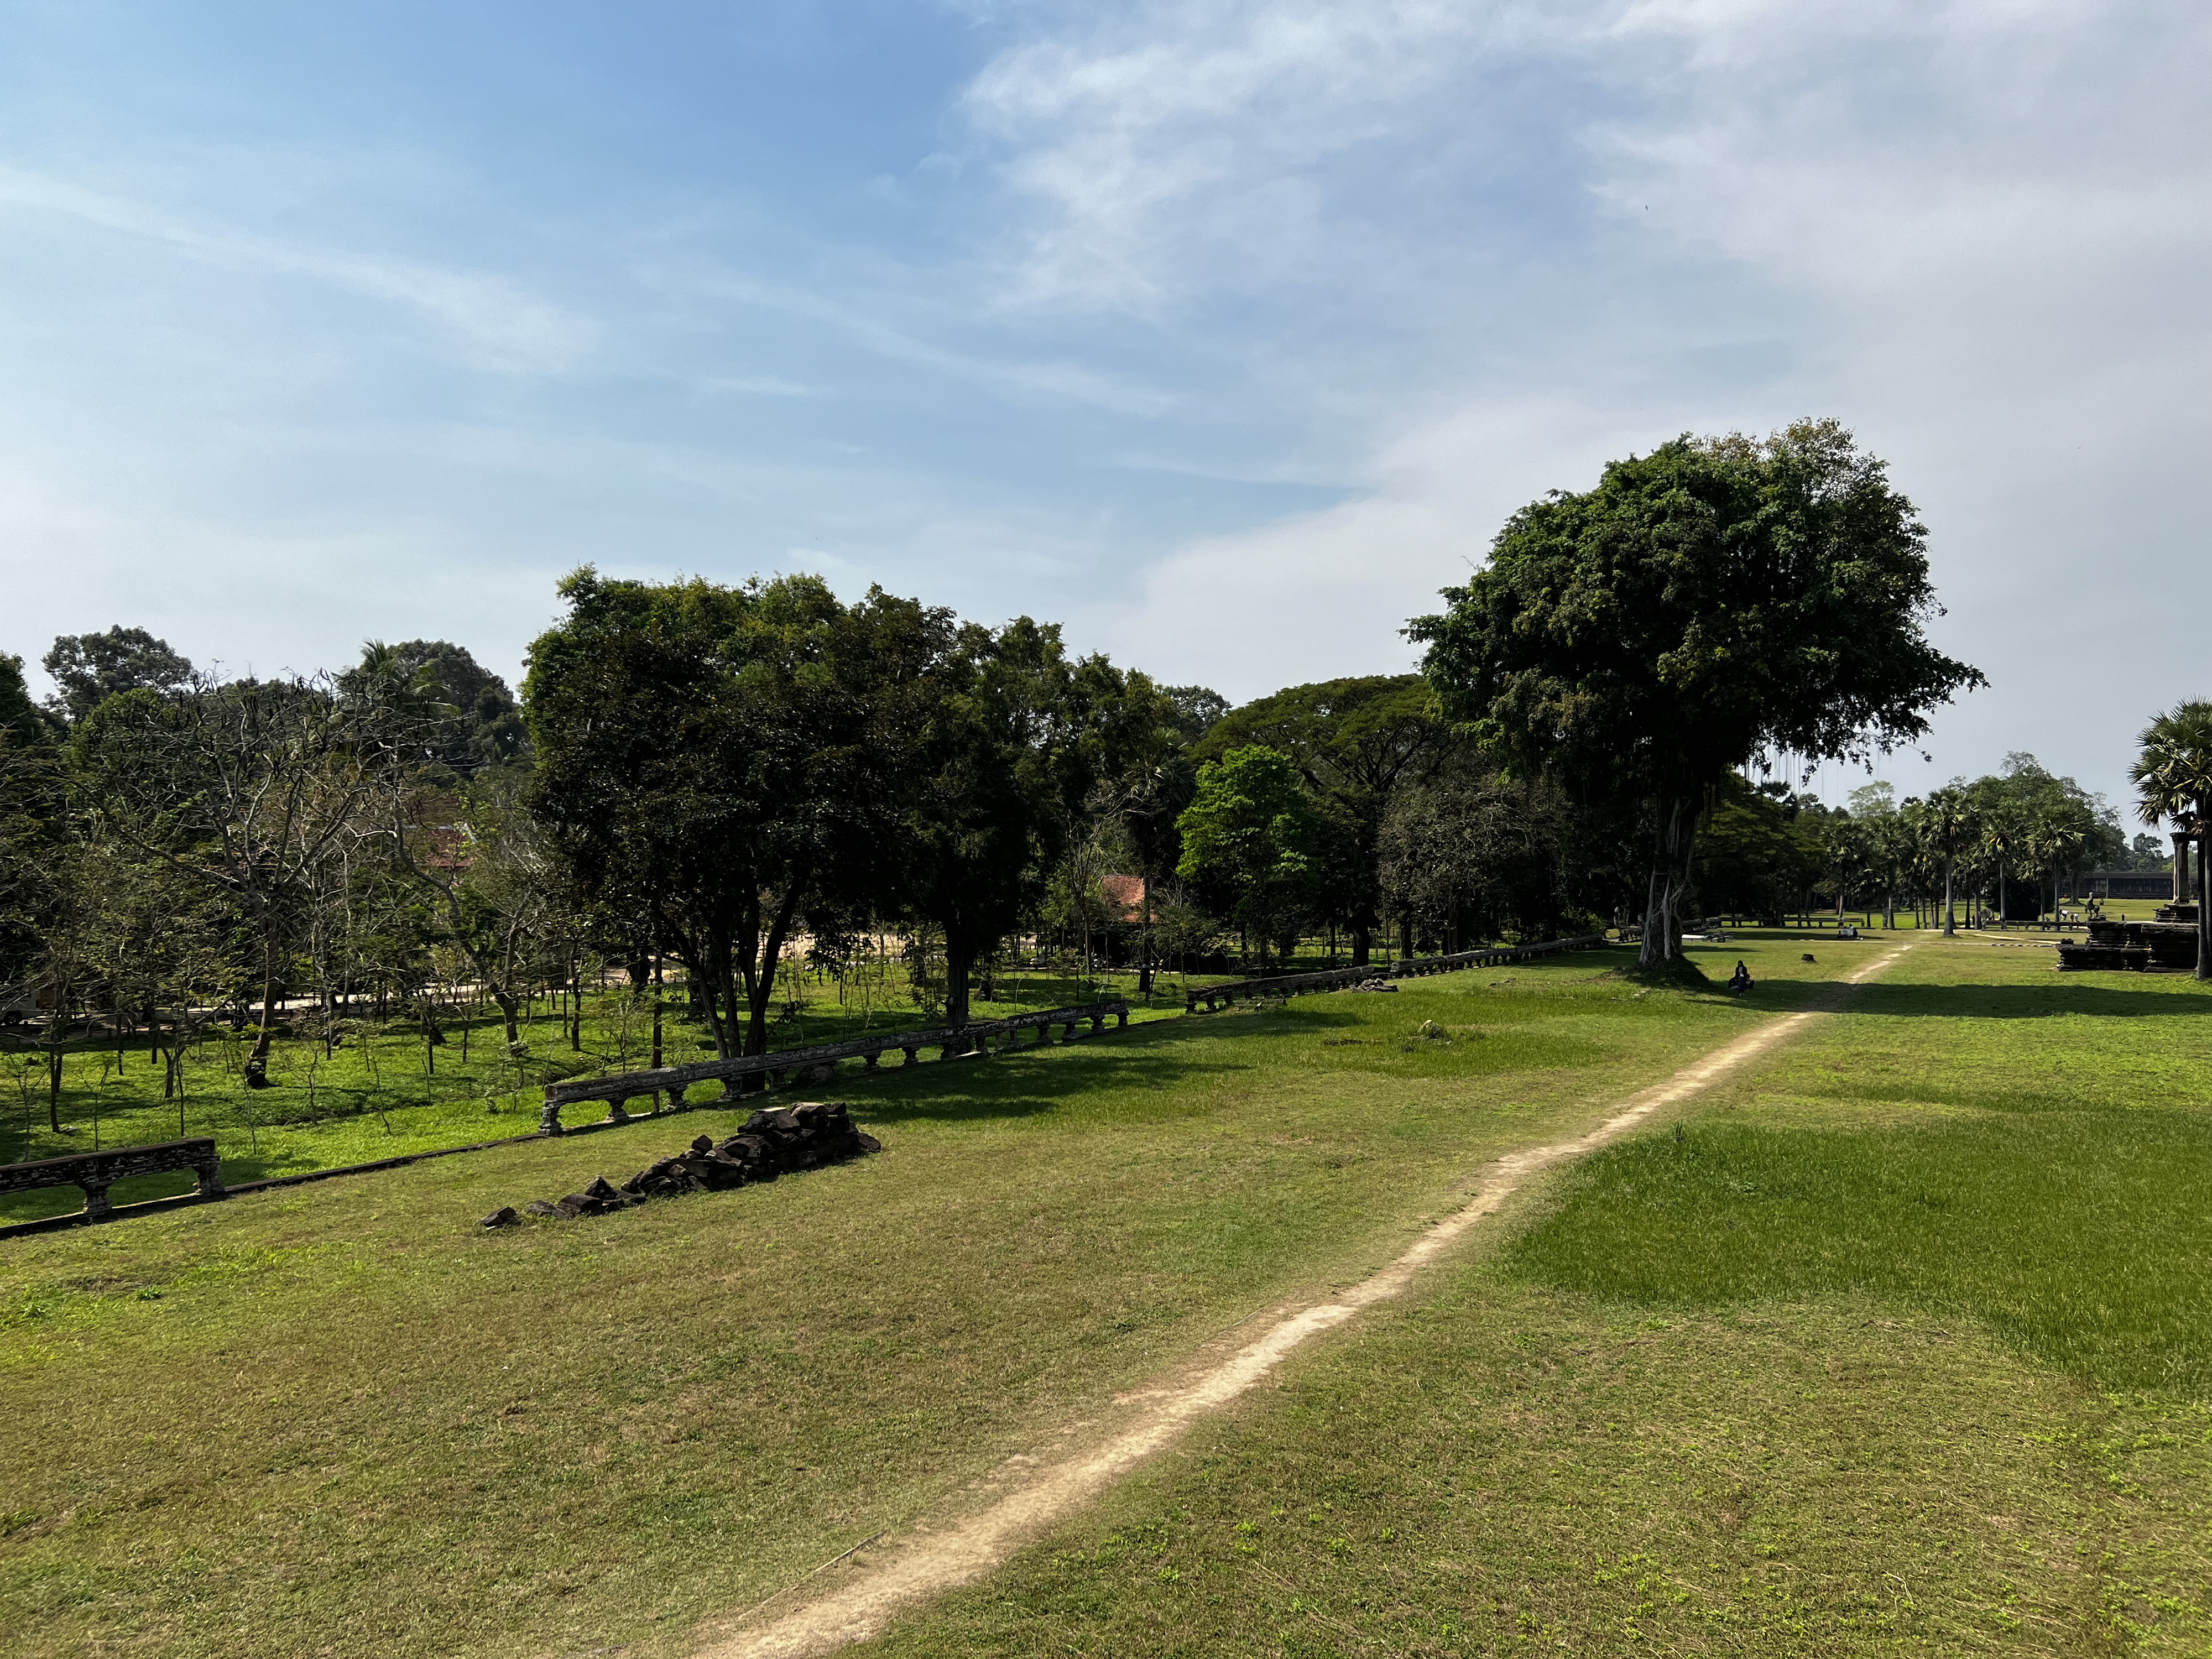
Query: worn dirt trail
x: 881, y: 1579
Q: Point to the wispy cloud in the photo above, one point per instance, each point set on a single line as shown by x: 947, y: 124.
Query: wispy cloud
x: 498, y: 320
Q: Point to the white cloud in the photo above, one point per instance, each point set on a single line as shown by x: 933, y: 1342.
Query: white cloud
x: 1190, y: 133
x: 500, y: 323
x: 1975, y: 230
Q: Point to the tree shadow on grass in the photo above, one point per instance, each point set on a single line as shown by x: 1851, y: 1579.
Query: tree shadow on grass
x: 1030, y: 1082
x: 1893, y: 1091
x: 2063, y: 995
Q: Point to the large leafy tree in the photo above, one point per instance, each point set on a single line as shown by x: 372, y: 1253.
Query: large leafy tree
x: 2173, y: 776
x: 1016, y: 736
x: 715, y: 761
x: 1251, y: 842
x: 33, y: 828
x: 90, y: 668
x: 1711, y: 602
x: 1468, y: 853
x: 472, y: 720
x: 1355, y: 743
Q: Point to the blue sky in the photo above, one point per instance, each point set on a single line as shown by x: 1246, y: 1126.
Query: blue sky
x: 1223, y: 333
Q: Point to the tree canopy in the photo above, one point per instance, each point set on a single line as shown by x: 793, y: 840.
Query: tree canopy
x: 1250, y: 841
x: 2173, y: 776
x: 1715, y: 600
x: 719, y: 759
x: 90, y: 668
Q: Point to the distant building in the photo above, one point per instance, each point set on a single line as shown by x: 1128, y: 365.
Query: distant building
x: 2128, y: 884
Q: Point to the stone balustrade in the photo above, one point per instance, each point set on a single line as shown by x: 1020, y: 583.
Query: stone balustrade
x: 1209, y: 997
x: 97, y: 1171
x: 815, y: 1064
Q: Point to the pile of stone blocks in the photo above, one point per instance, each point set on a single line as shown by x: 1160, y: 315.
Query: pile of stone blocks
x: 773, y: 1143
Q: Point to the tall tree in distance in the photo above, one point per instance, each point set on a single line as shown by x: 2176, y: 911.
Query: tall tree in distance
x: 478, y: 723
x: 1251, y: 844
x: 90, y: 668
x: 715, y: 760
x: 1716, y: 600
x: 246, y: 787
x: 1354, y: 742
x: 2173, y: 776
x: 1949, y: 825
x: 1019, y: 736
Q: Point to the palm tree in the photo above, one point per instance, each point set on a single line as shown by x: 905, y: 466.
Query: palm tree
x: 2056, y: 838
x: 1947, y: 821
x: 2173, y: 779
x: 2000, y: 843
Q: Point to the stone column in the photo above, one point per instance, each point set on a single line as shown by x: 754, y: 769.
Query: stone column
x: 2181, y: 882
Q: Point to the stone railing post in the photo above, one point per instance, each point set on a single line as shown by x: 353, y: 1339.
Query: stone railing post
x: 549, y: 1119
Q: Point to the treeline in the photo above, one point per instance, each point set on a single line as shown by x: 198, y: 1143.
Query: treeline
x: 726, y: 779
x: 2010, y: 845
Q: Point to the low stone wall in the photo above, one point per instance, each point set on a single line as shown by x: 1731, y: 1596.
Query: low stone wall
x: 1345, y: 979
x: 97, y: 1171
x: 819, y: 1064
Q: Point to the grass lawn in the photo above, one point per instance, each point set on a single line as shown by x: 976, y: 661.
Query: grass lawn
x: 382, y: 1094
x: 338, y: 1418
x: 1902, y: 1344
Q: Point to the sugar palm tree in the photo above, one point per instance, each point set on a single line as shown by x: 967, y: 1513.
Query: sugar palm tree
x: 1947, y: 821
x: 2173, y: 777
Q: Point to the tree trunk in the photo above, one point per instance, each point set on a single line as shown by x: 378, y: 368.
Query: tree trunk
x: 257, y: 1065
x: 1673, y: 842
x: 1144, y: 966
x: 761, y: 985
x: 1950, y: 914
x: 957, y: 957
x: 2203, y: 906
x: 54, y: 1081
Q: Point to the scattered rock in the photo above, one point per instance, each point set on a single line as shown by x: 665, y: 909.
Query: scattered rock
x: 1808, y: 957
x: 1376, y: 985
x: 502, y: 1217
x: 774, y: 1142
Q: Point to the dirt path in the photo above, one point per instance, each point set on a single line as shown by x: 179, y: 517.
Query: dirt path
x: 881, y: 1580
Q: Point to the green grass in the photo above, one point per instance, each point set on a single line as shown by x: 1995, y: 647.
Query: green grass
x: 1901, y: 1346
x: 1760, y: 1390
x: 376, y: 1097
x: 339, y: 1417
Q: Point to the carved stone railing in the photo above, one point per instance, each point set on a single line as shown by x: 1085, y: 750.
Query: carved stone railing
x: 817, y: 1064
x: 1337, y: 979
x: 97, y: 1171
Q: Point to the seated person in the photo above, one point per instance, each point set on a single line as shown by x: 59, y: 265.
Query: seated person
x: 1739, y: 981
